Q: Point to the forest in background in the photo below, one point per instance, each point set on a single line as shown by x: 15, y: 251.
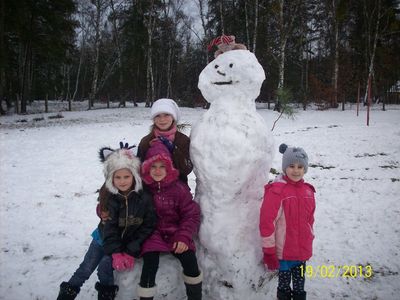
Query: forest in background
x: 321, y: 52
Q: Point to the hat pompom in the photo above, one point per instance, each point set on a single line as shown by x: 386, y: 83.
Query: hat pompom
x: 282, y: 148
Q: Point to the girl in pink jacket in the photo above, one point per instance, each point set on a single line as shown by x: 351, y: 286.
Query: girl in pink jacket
x: 286, y: 223
x: 178, y: 222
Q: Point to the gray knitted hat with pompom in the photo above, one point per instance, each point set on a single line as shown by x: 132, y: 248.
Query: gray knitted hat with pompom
x: 293, y: 155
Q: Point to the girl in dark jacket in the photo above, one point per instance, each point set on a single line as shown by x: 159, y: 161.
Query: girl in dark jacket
x: 128, y: 218
x: 178, y: 221
x: 132, y: 218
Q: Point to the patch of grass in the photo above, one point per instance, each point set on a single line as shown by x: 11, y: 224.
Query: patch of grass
x: 57, y: 116
x: 389, y: 167
x: 38, y: 119
x: 395, y: 179
x: 321, y: 166
x: 274, y: 171
x: 371, y: 155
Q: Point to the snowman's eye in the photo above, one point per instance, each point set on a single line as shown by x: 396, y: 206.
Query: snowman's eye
x: 216, y: 66
x: 230, y: 65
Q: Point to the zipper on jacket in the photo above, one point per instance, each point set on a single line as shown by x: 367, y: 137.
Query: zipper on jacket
x: 126, y: 216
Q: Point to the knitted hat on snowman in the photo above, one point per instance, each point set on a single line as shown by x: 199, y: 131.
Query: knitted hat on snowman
x: 225, y: 43
x: 165, y: 106
x: 292, y: 155
x: 115, y: 160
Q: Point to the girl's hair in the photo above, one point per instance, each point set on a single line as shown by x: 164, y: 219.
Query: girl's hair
x: 103, y: 198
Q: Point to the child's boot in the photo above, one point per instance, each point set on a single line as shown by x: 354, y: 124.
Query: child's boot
x: 106, y: 292
x: 193, y: 286
x: 67, y: 291
x: 146, y: 293
x: 299, y: 295
x: 281, y: 295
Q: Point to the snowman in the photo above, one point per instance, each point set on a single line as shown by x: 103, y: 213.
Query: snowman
x: 231, y: 150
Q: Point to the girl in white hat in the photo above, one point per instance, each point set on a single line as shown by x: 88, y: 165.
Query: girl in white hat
x: 165, y: 114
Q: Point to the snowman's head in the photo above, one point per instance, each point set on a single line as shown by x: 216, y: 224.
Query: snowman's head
x: 235, y: 74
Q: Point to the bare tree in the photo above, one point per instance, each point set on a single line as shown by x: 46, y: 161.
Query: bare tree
x: 202, y: 5
x: 251, y: 42
x: 335, y: 75
x: 118, y: 47
x: 150, y: 22
x: 100, y: 7
x: 375, y: 30
x: 287, y: 16
x: 81, y: 57
x: 255, y: 26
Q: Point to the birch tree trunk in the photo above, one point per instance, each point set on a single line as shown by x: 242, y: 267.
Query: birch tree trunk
x: 204, y: 21
x: 373, y: 49
x: 97, y: 23
x: 2, y: 59
x: 221, y: 14
x: 282, y: 46
x: 79, y: 67
x: 118, y: 47
x: 286, y: 25
x: 150, y: 23
x: 335, y: 77
x: 246, y: 13
x: 255, y: 27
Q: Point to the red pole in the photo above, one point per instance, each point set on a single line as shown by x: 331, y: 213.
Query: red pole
x: 358, y: 98
x: 369, y: 99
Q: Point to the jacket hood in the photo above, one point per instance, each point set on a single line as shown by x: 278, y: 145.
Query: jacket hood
x: 158, y: 152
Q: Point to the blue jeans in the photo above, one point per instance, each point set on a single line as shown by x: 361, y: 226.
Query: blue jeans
x: 94, y: 258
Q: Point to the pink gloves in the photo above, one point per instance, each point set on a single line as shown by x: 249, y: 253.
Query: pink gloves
x: 271, y: 261
x: 122, y: 261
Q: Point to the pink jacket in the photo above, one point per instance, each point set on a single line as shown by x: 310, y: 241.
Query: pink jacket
x: 178, y: 215
x: 287, y: 219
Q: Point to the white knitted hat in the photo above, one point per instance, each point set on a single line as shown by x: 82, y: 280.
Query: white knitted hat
x: 166, y: 106
x: 115, y: 160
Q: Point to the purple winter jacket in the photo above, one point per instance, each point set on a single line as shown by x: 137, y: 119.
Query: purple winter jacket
x: 178, y: 215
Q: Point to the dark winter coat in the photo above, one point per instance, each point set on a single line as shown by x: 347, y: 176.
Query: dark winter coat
x: 132, y: 219
x: 180, y: 154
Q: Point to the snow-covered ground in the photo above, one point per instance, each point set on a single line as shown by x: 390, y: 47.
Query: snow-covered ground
x: 50, y: 173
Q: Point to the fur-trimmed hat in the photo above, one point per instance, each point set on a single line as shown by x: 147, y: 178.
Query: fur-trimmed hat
x: 293, y: 155
x: 115, y: 160
x: 158, y: 152
x: 166, y: 106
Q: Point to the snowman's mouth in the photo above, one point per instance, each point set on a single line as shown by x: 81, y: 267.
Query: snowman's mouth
x: 222, y: 82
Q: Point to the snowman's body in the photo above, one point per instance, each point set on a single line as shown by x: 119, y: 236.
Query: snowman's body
x: 231, y: 149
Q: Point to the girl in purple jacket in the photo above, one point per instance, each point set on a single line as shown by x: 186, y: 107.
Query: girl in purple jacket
x: 178, y: 221
x: 286, y: 223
